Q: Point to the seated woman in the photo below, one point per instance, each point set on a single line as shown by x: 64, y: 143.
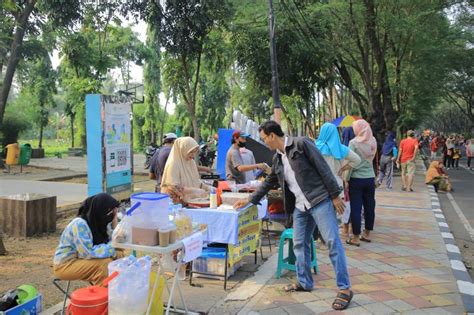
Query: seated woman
x: 84, y: 251
x: 437, y: 177
x: 181, y: 178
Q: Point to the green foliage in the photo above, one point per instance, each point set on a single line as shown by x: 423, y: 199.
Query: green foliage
x: 11, y: 128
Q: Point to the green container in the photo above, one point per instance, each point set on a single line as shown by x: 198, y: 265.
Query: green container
x: 25, y: 154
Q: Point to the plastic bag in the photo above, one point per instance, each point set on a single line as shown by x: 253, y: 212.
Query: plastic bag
x: 123, y: 231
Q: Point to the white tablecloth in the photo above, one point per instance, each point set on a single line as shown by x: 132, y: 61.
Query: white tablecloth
x: 222, y: 225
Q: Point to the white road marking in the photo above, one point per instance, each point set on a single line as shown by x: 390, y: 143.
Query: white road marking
x: 453, y: 248
x: 461, y: 216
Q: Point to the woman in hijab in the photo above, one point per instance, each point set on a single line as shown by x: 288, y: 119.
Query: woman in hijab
x: 362, y: 182
x: 181, y: 178
x: 337, y: 156
x: 389, y: 154
x: 84, y: 251
x: 437, y: 177
x: 347, y: 135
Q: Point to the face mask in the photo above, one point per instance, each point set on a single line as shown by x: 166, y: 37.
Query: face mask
x: 242, y: 144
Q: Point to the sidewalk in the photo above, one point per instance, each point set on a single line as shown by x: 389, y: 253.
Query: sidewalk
x: 404, y: 270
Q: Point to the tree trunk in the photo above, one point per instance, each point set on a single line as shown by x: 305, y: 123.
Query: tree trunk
x: 3, y: 251
x: 72, y: 130
x: 40, y: 141
x: 15, y: 54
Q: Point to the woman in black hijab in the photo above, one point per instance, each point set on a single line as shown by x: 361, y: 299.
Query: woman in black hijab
x: 84, y: 251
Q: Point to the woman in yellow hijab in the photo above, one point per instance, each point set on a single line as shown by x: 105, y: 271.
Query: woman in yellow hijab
x: 437, y: 177
x: 181, y: 177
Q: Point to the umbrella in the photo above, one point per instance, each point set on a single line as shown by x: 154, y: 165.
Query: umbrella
x: 345, y: 121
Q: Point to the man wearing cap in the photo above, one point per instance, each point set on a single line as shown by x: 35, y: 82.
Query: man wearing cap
x: 407, y: 155
x: 234, y: 164
x: 158, y: 161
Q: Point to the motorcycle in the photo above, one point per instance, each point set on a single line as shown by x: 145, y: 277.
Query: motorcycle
x: 206, y: 155
x: 149, y: 152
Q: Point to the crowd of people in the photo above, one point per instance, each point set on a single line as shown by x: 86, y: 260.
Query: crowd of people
x: 328, y: 186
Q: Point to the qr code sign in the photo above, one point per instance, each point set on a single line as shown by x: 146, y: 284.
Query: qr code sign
x: 121, y: 157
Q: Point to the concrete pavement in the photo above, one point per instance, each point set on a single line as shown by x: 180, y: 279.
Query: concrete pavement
x: 406, y: 268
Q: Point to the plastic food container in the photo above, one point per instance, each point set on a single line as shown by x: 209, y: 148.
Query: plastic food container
x: 152, y: 212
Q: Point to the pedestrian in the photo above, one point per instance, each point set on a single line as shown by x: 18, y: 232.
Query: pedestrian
x: 337, y: 156
x: 406, y: 157
x: 434, y: 147
x: 84, y: 251
x: 311, y: 197
x: 389, y: 155
x: 449, y: 153
x: 362, y: 183
x: 470, y: 152
x: 235, y: 168
x: 159, y: 159
x: 347, y: 135
x: 456, y: 157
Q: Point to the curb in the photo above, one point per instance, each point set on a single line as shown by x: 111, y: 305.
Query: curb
x: 463, y: 279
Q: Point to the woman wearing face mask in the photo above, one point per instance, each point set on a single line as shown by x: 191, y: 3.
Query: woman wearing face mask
x: 181, y: 178
x: 84, y: 251
x: 235, y: 168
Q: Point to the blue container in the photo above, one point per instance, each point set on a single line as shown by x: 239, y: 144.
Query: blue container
x: 31, y: 307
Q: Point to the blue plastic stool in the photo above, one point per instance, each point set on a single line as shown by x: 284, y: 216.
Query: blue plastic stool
x: 289, y: 261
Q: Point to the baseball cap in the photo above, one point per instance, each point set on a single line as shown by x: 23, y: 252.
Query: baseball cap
x: 236, y: 134
x: 170, y: 136
x: 410, y: 133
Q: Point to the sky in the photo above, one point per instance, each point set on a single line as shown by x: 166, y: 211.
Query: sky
x: 136, y: 71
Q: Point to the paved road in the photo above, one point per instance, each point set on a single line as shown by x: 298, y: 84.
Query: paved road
x: 458, y: 207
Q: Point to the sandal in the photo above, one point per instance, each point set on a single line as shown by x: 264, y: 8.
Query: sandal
x: 342, y: 301
x: 350, y: 242
x: 294, y: 287
x: 368, y: 240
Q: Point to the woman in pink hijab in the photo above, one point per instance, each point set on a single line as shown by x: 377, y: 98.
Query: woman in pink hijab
x: 362, y: 183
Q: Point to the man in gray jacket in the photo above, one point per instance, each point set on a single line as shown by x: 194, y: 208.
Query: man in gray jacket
x: 311, y: 197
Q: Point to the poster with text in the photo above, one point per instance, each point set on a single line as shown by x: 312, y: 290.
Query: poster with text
x: 117, y: 143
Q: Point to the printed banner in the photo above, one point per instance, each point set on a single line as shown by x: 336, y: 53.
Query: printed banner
x: 248, y: 235
x: 117, y: 144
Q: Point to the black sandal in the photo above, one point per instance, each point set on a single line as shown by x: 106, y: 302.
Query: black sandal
x: 367, y: 240
x: 342, y: 301
x: 294, y: 287
x: 350, y: 242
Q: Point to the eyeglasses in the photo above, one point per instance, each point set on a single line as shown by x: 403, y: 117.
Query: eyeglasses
x: 264, y: 138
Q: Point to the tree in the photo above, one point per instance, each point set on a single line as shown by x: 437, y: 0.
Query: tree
x: 21, y: 17
x: 184, y: 27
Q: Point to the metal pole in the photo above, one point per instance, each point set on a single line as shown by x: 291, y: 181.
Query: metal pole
x: 274, y: 64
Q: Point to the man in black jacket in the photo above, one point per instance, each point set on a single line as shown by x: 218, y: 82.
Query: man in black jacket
x: 311, y: 197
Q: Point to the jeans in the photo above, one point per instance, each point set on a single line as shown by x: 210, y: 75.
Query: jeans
x: 469, y: 161
x: 324, y: 215
x: 362, y: 193
x: 386, y: 170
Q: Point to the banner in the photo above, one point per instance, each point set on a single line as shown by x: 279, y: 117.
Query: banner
x: 248, y: 235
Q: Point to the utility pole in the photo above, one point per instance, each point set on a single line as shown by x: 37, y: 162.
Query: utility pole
x: 274, y: 64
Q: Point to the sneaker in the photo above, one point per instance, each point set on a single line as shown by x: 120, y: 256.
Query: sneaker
x: 389, y: 189
x: 447, y: 168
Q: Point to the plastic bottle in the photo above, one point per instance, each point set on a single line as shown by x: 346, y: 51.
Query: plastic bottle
x: 213, y: 199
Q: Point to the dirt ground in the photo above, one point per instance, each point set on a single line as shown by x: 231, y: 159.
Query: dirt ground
x: 30, y: 260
